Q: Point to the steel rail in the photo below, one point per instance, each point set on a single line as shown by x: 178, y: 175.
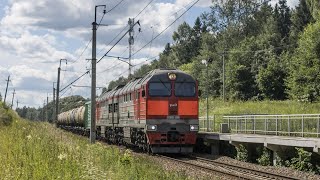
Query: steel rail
x: 245, y: 170
x: 219, y: 170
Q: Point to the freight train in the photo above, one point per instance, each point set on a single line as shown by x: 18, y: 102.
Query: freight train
x: 157, y: 112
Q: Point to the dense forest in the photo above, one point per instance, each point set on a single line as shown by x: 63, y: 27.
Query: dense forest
x: 270, y: 52
x: 266, y: 52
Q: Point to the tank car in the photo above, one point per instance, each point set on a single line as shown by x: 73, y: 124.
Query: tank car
x: 77, y: 120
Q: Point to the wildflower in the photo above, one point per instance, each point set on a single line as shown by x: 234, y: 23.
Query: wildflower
x: 23, y: 128
x: 62, y: 156
x: 29, y: 137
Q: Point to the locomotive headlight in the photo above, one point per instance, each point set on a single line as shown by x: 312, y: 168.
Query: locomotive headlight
x: 194, y: 127
x: 172, y: 76
x: 151, y: 127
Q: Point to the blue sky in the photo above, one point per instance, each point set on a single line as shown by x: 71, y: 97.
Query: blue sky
x: 36, y: 34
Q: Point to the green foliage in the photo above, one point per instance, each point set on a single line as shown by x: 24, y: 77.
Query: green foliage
x: 300, y: 18
x: 265, y: 158
x: 269, y: 51
x: 304, y: 77
x: 220, y: 108
x: 6, y: 115
x: 314, y: 6
x: 126, y: 159
x: 303, y: 161
x: 118, y: 82
x: 282, y: 16
x: 242, y: 153
x: 36, y: 150
x: 271, y: 80
x: 241, y: 77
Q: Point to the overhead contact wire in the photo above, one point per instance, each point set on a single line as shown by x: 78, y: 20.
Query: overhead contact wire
x: 166, y: 28
x: 120, y: 33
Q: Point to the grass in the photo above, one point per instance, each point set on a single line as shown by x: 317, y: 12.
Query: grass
x: 36, y: 150
x: 219, y: 107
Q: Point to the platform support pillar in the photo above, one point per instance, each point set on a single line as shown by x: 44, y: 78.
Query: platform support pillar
x: 215, y: 147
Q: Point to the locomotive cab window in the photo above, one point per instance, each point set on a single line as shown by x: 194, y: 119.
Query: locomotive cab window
x: 184, y: 89
x: 160, y: 89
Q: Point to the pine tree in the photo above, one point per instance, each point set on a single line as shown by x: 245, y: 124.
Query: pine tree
x: 282, y: 16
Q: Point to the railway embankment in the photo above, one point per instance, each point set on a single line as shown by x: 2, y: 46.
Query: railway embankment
x: 38, y: 150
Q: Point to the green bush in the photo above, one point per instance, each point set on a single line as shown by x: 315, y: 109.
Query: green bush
x: 303, y: 161
x: 126, y: 159
x: 265, y: 157
x: 242, y: 153
x: 6, y: 116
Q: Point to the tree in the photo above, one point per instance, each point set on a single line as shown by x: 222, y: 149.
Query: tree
x: 282, y: 17
x: 314, y: 7
x: 186, y: 42
x: 271, y: 80
x: 304, y: 80
x: 121, y: 80
x: 182, y: 44
x: 300, y: 18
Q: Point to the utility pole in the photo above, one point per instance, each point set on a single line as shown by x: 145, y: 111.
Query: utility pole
x: 58, y: 86
x: 206, y: 62
x: 5, y: 95
x: 43, y: 113
x: 17, y: 104
x: 131, y: 42
x: 54, y: 103
x: 93, y: 77
x: 224, y: 77
x: 47, y: 108
x: 14, y: 92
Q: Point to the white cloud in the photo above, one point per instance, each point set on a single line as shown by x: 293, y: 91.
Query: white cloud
x: 201, y: 3
x: 35, y: 34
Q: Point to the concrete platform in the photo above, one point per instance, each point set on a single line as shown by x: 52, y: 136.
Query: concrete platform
x: 266, y: 140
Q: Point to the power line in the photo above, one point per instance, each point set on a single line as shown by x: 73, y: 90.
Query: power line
x: 121, y: 32
x: 74, y: 81
x: 86, y: 86
x: 115, y: 6
x: 65, y: 92
x: 152, y: 58
x: 260, y: 50
x: 109, y: 68
x: 86, y: 47
x: 114, y: 38
x: 108, y: 44
x: 116, y: 43
x: 167, y: 27
x: 144, y: 8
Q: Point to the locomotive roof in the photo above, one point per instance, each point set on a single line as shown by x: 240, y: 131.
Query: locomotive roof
x: 153, y: 76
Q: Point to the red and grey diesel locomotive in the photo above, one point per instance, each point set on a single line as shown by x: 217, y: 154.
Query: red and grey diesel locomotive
x: 158, y: 112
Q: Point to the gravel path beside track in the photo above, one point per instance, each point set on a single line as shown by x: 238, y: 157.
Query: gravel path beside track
x: 195, y: 173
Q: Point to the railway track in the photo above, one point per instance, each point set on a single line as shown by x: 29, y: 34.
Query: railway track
x: 227, y: 170
x: 220, y: 168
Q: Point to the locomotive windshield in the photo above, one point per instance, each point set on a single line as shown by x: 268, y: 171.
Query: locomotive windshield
x: 185, y: 89
x: 160, y: 89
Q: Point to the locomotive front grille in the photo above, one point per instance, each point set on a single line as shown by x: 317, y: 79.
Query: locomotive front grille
x: 173, y: 136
